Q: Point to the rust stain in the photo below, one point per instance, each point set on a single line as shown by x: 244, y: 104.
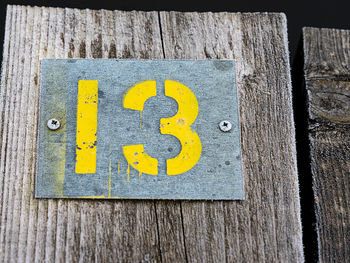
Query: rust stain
x: 181, y: 122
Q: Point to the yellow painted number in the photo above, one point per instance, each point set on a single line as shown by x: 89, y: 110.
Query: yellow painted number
x: 86, y: 127
x: 135, y: 154
x: 179, y: 126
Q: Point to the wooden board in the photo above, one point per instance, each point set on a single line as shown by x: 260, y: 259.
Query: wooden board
x: 264, y: 227
x: 327, y: 78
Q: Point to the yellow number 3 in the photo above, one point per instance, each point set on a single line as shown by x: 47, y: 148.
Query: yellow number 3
x: 179, y: 126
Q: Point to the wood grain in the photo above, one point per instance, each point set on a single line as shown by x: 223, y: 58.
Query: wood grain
x: 264, y: 227
x: 270, y: 214
x: 327, y: 78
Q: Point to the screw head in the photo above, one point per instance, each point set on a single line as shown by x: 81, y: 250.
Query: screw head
x: 53, y: 124
x: 225, y: 126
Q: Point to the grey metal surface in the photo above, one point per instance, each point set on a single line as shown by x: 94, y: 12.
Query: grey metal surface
x: 217, y: 174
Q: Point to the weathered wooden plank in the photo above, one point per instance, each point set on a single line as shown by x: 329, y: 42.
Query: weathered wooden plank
x: 264, y: 227
x: 60, y: 230
x: 11, y: 138
x: 170, y: 229
x: 326, y: 53
x: 327, y: 78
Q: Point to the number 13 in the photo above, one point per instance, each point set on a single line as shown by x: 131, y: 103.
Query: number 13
x: 178, y: 125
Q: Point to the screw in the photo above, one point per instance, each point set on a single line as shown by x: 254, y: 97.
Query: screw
x: 53, y: 124
x: 225, y: 126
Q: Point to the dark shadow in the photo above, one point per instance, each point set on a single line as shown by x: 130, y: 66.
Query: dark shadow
x: 300, y: 107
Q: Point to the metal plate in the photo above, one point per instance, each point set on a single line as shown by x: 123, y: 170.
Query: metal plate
x: 62, y: 171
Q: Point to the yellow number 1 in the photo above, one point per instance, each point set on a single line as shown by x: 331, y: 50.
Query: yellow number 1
x: 86, y: 127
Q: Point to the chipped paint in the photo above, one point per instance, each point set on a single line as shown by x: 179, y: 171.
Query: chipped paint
x: 180, y: 126
x: 86, y: 137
